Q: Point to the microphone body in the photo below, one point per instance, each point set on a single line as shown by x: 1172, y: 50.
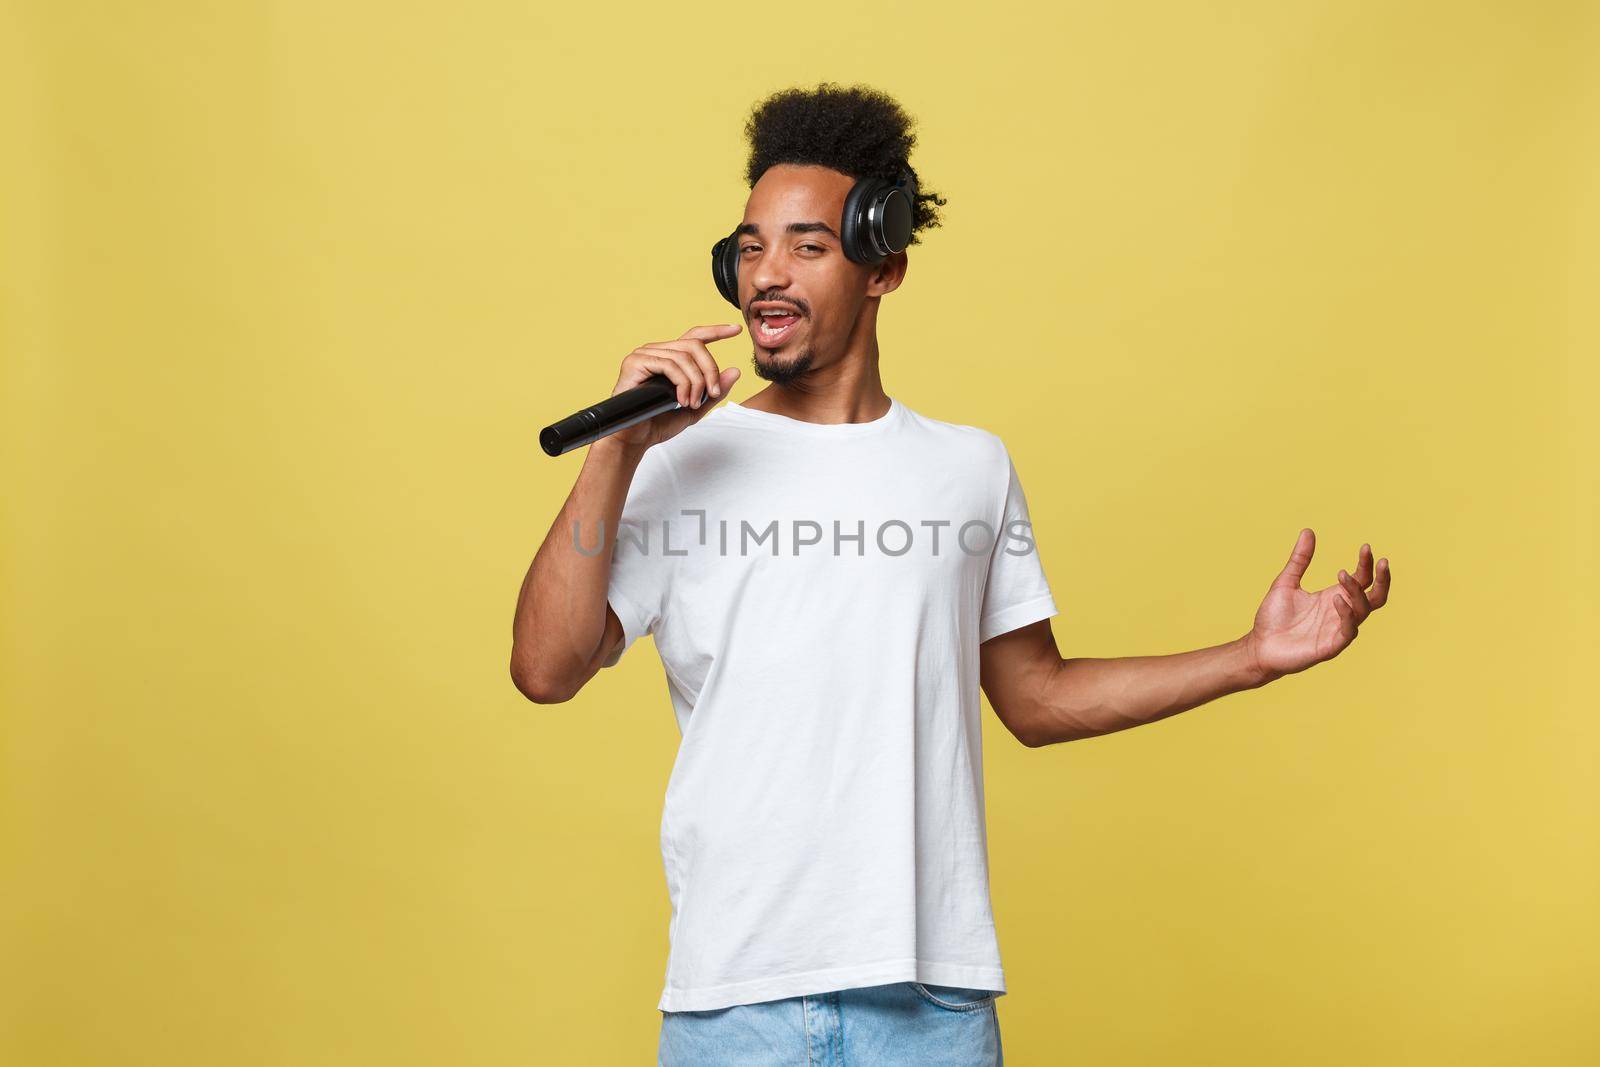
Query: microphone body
x: 655, y: 396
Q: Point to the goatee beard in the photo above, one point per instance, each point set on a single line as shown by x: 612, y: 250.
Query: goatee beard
x: 783, y: 373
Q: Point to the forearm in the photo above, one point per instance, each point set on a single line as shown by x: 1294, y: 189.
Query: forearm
x: 560, y: 616
x: 1087, y: 697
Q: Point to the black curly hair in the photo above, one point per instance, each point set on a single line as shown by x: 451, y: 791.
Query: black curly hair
x: 856, y: 130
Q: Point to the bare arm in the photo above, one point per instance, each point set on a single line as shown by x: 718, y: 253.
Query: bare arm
x: 1043, y: 699
x: 564, y: 630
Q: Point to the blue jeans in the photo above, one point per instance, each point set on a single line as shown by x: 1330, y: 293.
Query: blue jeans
x: 903, y: 1023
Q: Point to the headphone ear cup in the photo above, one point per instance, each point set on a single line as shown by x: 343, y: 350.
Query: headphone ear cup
x: 895, y: 215
x: 725, y: 268
x: 858, y: 246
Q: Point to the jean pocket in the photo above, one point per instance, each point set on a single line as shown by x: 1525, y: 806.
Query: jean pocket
x: 955, y: 998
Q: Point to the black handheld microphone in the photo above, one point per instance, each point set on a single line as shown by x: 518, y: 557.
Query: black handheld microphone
x: 655, y: 396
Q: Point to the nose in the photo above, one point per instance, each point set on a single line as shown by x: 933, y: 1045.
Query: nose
x: 769, y: 272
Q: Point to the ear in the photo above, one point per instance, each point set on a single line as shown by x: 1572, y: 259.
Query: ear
x: 887, y: 276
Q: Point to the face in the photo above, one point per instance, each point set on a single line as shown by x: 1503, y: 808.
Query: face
x: 790, y: 255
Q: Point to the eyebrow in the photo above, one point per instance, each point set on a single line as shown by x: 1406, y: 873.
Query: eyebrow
x: 794, y: 227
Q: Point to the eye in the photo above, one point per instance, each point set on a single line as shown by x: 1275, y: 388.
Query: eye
x: 757, y: 248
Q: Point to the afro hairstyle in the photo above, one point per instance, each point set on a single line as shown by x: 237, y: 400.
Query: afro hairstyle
x: 856, y: 130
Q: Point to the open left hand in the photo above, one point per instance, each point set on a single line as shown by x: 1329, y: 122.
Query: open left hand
x: 1295, y: 629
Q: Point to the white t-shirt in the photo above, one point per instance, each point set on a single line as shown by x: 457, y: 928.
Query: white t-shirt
x: 819, y: 627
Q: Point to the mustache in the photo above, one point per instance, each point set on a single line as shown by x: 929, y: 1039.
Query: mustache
x: 778, y: 299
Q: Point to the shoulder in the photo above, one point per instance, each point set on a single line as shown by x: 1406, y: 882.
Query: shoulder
x: 692, y: 455
x: 653, y: 486
x: 982, y: 446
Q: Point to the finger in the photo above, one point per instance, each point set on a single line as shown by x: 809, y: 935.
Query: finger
x: 1347, y: 618
x: 1363, y: 572
x: 718, y: 332
x: 668, y: 362
x: 729, y: 376
x: 696, y: 389
x: 697, y: 350
x: 1299, y: 560
x: 1379, y: 596
x: 1358, y: 596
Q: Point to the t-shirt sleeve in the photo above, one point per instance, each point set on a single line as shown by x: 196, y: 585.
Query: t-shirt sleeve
x: 640, y: 569
x: 1016, y: 592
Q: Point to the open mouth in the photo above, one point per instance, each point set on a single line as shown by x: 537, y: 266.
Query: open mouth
x: 773, y: 330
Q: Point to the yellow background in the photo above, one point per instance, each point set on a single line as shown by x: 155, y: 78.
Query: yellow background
x: 289, y: 289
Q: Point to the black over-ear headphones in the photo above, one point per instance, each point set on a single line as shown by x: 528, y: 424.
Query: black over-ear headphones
x: 876, y: 224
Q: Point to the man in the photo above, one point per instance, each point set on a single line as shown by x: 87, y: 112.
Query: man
x: 830, y: 577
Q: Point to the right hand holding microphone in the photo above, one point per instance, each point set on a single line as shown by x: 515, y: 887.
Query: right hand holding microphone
x: 688, y: 363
